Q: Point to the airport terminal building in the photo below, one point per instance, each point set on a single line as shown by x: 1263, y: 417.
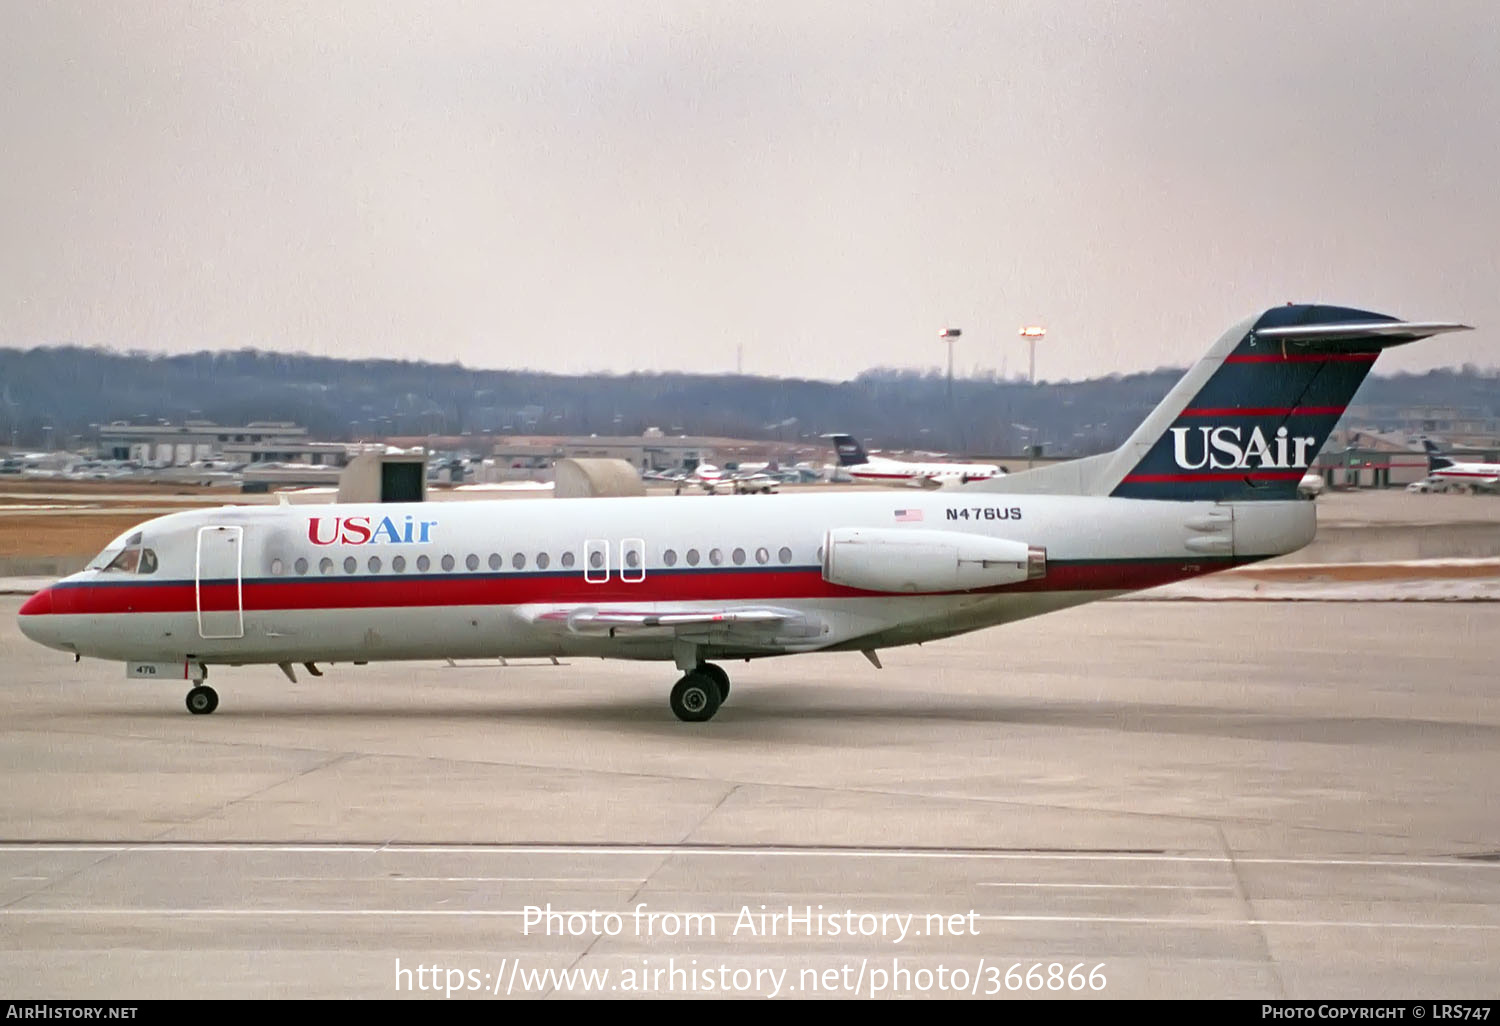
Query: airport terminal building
x: 176, y: 445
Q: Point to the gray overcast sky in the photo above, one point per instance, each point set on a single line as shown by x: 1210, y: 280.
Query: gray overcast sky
x: 643, y: 185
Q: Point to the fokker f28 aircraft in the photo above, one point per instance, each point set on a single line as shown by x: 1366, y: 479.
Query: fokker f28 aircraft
x: 1208, y: 481
x: 861, y: 466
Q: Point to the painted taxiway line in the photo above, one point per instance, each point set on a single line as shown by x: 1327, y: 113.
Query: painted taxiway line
x: 1174, y: 921
x: 1456, y: 861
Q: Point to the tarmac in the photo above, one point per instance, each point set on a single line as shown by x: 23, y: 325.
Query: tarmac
x: 1127, y: 800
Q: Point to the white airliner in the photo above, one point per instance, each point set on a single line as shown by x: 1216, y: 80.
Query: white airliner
x: 1208, y: 481
x: 862, y: 467
x: 1445, y: 468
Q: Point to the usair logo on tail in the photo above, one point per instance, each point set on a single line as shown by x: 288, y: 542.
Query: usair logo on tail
x: 1224, y: 448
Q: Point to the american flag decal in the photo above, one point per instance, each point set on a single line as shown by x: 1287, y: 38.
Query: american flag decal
x: 907, y: 516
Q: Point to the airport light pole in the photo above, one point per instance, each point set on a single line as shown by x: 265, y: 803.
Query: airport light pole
x: 1032, y: 333
x: 949, y: 335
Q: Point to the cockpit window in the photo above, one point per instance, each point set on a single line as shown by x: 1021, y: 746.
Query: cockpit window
x: 131, y: 560
x: 126, y: 562
x: 115, y: 551
x: 104, y: 558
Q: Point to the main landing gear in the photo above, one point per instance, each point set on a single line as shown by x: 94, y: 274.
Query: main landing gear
x: 202, y: 700
x: 698, y: 695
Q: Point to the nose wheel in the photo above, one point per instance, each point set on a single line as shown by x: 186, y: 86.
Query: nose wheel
x: 698, y: 695
x: 202, y: 700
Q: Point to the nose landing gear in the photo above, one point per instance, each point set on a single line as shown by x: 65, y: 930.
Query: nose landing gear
x: 202, y: 700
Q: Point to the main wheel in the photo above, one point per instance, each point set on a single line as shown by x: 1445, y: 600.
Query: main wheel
x: 695, y: 698
x: 720, y: 678
x: 202, y: 700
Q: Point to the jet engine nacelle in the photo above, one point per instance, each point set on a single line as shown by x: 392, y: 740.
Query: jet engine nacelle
x: 896, y: 560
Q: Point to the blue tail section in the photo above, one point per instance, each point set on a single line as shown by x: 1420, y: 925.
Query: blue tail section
x: 1435, y: 458
x: 850, y: 452
x: 1247, y: 421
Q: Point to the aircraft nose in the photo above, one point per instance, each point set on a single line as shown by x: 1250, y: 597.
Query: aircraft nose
x: 36, y: 619
x: 39, y: 604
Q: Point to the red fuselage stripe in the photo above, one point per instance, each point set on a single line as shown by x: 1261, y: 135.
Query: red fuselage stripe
x: 1260, y: 411
x: 355, y: 592
x: 1301, y: 358
x: 1254, y: 475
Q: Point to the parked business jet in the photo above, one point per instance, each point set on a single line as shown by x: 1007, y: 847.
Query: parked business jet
x: 1446, y: 469
x: 862, y: 467
x: 1208, y: 481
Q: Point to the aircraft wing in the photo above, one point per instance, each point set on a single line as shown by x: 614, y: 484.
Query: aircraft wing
x: 747, y: 624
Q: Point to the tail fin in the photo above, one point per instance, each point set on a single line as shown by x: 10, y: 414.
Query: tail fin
x: 851, y: 453
x: 1435, y: 458
x: 1247, y: 420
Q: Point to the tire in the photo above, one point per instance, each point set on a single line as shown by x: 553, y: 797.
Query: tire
x: 695, y: 698
x: 719, y: 677
x: 202, y: 700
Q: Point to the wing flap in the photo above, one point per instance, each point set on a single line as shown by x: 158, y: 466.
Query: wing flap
x: 763, y: 623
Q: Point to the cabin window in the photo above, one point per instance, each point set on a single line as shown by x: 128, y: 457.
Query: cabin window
x: 350, y: 564
x: 276, y: 568
x: 785, y: 555
x: 692, y: 557
x: 300, y: 566
x: 669, y: 558
x: 567, y: 558
x: 325, y: 565
x: 820, y: 553
x: 739, y: 557
x: 596, y: 559
x: 518, y: 561
x: 398, y: 564
x: 374, y: 564
x: 542, y: 559
x: 632, y: 558
x: 423, y: 563
x: 762, y: 556
x: 716, y: 556
x: 472, y: 561
x: 495, y: 561
x: 447, y: 562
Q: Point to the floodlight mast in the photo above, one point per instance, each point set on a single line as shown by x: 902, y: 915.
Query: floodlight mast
x: 1032, y: 333
x: 948, y: 335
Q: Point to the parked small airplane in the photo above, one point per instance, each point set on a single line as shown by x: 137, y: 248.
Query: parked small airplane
x: 1208, y: 481
x: 1447, y: 470
x: 862, y: 467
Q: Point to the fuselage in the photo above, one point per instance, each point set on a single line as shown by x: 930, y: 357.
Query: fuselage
x: 898, y: 472
x: 1474, y: 474
x: 364, y: 582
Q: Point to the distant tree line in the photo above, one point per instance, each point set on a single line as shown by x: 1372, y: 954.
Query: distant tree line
x: 58, y: 395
